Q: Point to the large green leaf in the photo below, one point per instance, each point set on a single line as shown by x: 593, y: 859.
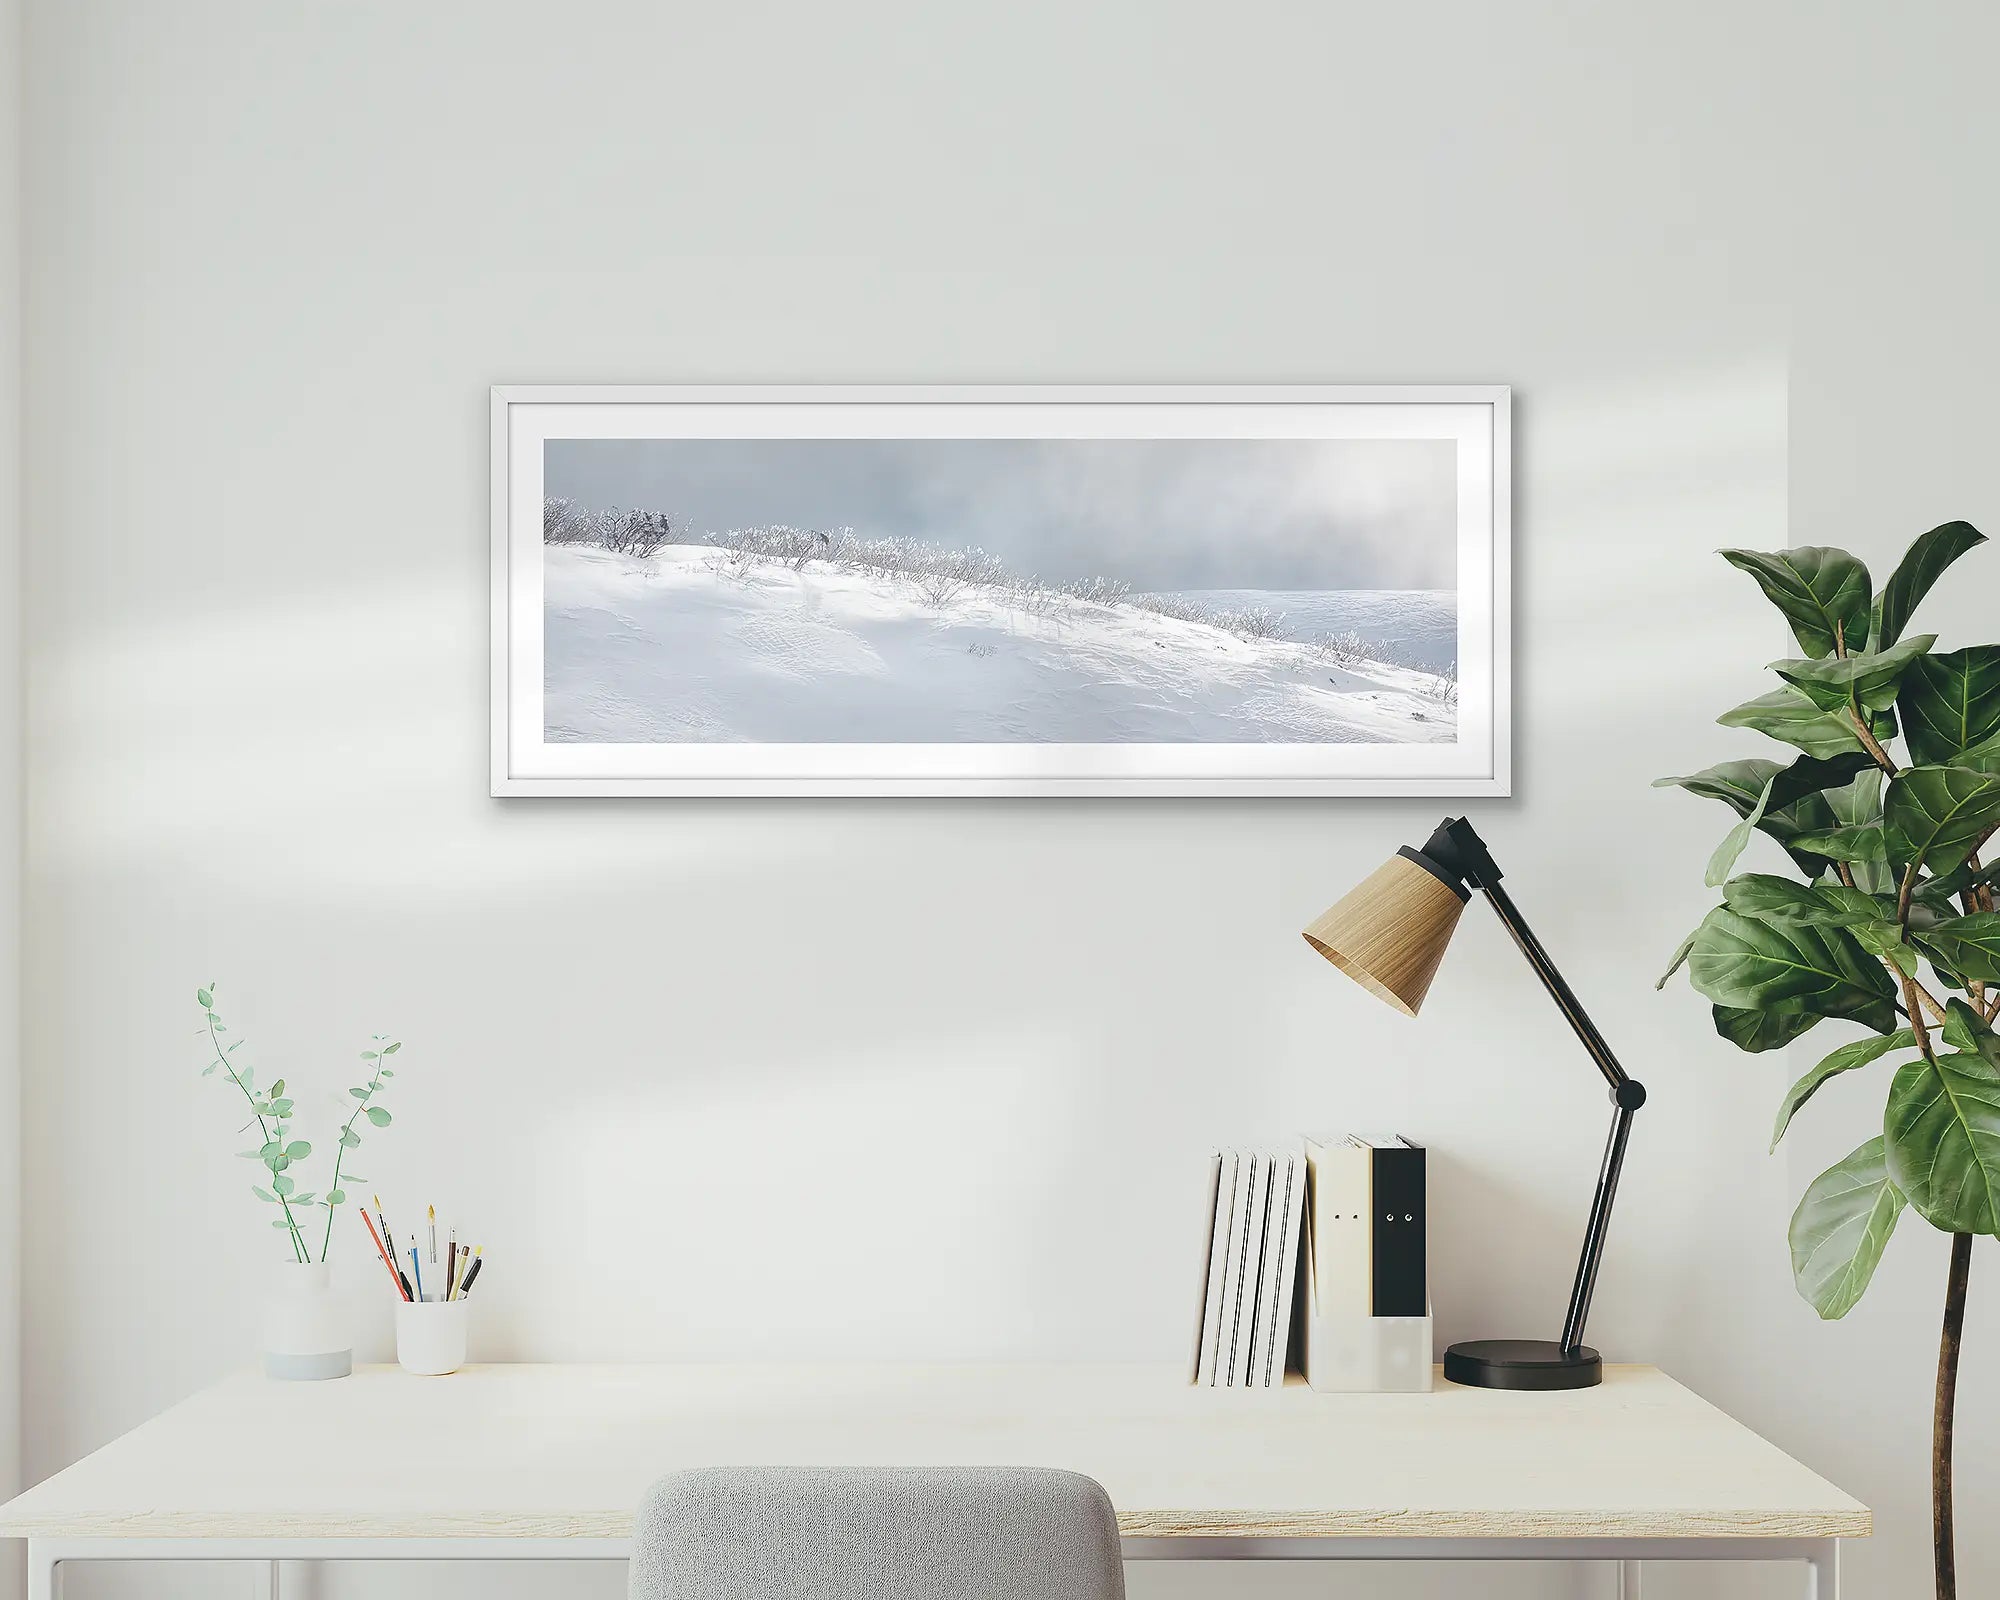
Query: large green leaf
x: 1929, y: 554
x: 1823, y: 593
x: 1840, y: 1229
x: 1860, y: 843
x: 1845, y: 1059
x: 1871, y: 919
x: 1950, y: 703
x: 1869, y: 678
x: 1753, y: 964
x: 1828, y: 905
x: 1733, y: 842
x: 1943, y: 1129
x: 1858, y: 804
x: 1968, y: 946
x: 1933, y: 816
x: 1768, y: 1028
x: 1788, y: 715
x: 1796, y: 802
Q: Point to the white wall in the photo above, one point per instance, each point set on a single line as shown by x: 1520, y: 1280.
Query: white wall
x: 682, y: 1060
x: 11, y: 78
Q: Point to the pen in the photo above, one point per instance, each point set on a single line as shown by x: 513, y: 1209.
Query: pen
x: 478, y: 1261
x: 395, y: 1276
x: 416, y: 1266
x: 451, y: 1265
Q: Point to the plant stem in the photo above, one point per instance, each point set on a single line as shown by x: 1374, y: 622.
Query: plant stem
x: 1870, y: 743
x: 1943, y: 1557
x: 1917, y: 1019
x: 340, y: 1158
x: 299, y: 1246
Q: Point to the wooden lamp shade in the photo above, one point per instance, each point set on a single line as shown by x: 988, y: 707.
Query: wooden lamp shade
x: 1390, y: 931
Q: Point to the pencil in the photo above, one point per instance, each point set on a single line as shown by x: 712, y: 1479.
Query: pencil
x: 478, y: 1261
x: 388, y: 1238
x: 395, y: 1277
x: 416, y: 1266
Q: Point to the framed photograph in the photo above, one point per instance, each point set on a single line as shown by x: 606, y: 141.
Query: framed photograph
x: 1000, y: 591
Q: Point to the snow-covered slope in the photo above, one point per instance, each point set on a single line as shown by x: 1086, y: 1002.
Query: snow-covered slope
x: 679, y: 647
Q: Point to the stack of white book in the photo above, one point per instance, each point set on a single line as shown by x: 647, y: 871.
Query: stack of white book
x: 1250, y: 1269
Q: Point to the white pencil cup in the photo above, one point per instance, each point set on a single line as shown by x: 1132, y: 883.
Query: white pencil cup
x: 430, y: 1336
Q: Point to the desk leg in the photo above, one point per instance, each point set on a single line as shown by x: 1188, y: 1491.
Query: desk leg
x: 1628, y: 1580
x: 1823, y: 1571
x: 263, y: 1580
x: 44, y: 1572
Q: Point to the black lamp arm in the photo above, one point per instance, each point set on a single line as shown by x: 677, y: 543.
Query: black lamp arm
x: 1461, y: 850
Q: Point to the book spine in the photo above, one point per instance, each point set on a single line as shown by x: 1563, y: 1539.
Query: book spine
x: 1218, y: 1251
x: 1287, y: 1209
x: 1253, y: 1266
x: 1396, y: 1216
x: 1207, y: 1266
x: 1232, y: 1270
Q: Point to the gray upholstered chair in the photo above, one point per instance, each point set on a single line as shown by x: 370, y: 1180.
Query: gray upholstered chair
x: 873, y: 1533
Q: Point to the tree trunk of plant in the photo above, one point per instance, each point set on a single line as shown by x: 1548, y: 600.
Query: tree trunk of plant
x: 1942, y: 1557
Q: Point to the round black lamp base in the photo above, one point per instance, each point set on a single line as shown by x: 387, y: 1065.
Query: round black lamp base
x: 1522, y: 1364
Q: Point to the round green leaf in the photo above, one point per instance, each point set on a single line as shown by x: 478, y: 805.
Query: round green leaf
x: 1751, y: 964
x: 1933, y: 816
x: 262, y: 1193
x: 1845, y: 1059
x: 370, y: 1055
x: 1788, y: 715
x: 1943, y: 1130
x: 1840, y: 1229
x: 203, y: 998
x: 336, y: 1197
x: 1869, y: 678
x: 1824, y: 593
x: 277, y: 1088
x: 349, y: 1138
x: 298, y: 1149
x: 1766, y: 1028
x: 282, y: 1184
x: 378, y: 1116
x: 1968, y: 946
x: 1929, y: 554
x: 1951, y: 703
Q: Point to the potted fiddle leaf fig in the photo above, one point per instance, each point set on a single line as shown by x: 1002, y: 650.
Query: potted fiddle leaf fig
x: 1888, y: 923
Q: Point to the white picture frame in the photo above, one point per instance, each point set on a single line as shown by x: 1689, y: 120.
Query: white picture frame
x: 1475, y: 417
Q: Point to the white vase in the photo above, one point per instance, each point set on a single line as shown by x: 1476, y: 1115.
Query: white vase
x: 305, y: 1330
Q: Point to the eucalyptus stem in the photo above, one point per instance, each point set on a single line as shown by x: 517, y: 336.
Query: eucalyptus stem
x: 340, y: 1155
x: 299, y: 1245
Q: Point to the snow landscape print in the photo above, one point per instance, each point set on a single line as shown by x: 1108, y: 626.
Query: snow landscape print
x: 999, y: 591
x: 994, y: 613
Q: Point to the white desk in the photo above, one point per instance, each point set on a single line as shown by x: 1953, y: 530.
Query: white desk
x: 547, y: 1463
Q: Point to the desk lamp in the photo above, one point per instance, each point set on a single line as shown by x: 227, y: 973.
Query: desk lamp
x: 1389, y: 934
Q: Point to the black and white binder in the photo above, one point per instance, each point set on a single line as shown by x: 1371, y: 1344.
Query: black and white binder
x: 1399, y: 1286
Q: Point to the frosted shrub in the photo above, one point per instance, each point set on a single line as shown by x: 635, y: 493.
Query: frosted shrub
x: 1099, y: 591
x: 1341, y: 649
x: 565, y: 522
x: 1176, y: 606
x: 1251, y: 622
